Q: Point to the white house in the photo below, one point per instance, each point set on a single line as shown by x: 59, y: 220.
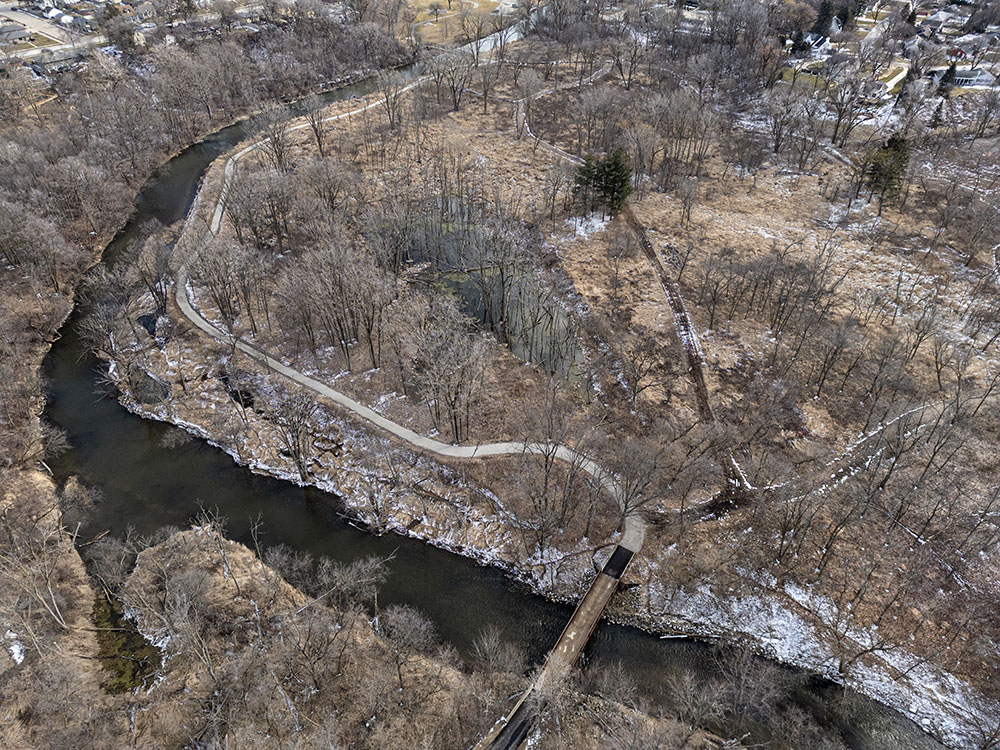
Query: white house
x: 817, y: 42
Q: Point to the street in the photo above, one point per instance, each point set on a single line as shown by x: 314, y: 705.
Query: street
x: 34, y: 24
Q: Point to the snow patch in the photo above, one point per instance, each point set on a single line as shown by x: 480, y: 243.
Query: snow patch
x: 14, y: 647
x: 584, y: 226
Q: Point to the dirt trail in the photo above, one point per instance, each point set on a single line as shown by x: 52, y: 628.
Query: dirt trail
x: 682, y: 321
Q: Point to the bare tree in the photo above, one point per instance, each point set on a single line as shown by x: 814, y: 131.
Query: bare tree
x: 845, y: 100
x: 334, y: 184
x: 273, y: 138
x: 529, y: 85
x: 409, y: 633
x: 781, y: 110
x: 489, y: 74
x: 292, y: 416
x: 391, y: 86
x: 456, y: 69
x: 555, y: 489
x: 627, y: 49
x: 502, y: 31
x: 986, y: 114
x: 623, y: 248
x: 449, y: 365
x: 33, y: 570
x: 636, y: 464
x: 474, y: 27
x: 316, y: 118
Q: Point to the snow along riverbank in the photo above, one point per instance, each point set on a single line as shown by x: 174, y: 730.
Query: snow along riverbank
x: 781, y: 623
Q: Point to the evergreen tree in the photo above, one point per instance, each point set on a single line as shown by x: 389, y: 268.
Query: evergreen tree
x: 852, y: 10
x: 799, y: 45
x: 947, y: 82
x: 912, y: 18
x: 613, y: 181
x: 912, y: 74
x: 844, y: 15
x: 937, y: 120
x: 823, y: 18
x: 583, y: 185
x: 885, y: 172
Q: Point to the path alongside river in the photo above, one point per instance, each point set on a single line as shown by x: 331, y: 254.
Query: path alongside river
x: 146, y: 485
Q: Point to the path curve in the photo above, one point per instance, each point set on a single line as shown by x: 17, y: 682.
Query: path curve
x: 511, y: 730
x: 634, y: 531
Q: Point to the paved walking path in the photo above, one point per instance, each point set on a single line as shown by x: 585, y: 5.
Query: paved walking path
x: 513, y: 728
x: 634, y: 527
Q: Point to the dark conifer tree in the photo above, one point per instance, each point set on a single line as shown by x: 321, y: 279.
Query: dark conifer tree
x: 799, y: 45
x: 613, y: 182
x: 583, y: 185
x: 947, y: 82
x: 937, y: 119
x: 823, y: 18
x: 885, y: 173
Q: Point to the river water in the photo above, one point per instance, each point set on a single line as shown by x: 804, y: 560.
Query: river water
x: 146, y: 485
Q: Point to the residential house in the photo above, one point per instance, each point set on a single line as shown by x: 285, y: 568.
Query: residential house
x: 977, y: 77
x: 13, y: 33
x: 818, y: 43
x: 965, y: 76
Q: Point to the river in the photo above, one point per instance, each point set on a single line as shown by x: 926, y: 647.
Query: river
x: 146, y: 485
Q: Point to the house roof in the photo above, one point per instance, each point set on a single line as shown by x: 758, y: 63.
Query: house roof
x: 13, y: 32
x: 977, y: 76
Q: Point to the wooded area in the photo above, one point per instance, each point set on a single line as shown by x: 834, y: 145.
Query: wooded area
x: 753, y: 285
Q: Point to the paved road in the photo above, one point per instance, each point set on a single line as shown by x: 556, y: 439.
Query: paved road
x: 79, y: 46
x: 34, y: 24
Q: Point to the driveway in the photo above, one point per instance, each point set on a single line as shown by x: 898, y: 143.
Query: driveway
x: 34, y: 24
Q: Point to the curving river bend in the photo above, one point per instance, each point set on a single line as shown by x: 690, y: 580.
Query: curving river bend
x: 146, y: 485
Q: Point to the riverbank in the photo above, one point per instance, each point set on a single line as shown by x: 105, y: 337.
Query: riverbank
x: 787, y: 622
x: 382, y: 485
x: 797, y: 626
x: 47, y: 647
x: 46, y: 313
x: 720, y: 616
x: 780, y: 623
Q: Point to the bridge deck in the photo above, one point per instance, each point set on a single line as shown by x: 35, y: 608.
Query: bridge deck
x: 514, y: 728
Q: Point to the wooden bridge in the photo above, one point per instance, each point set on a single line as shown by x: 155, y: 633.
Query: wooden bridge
x: 512, y: 729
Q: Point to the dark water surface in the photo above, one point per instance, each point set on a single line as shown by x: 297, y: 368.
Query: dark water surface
x: 146, y: 486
